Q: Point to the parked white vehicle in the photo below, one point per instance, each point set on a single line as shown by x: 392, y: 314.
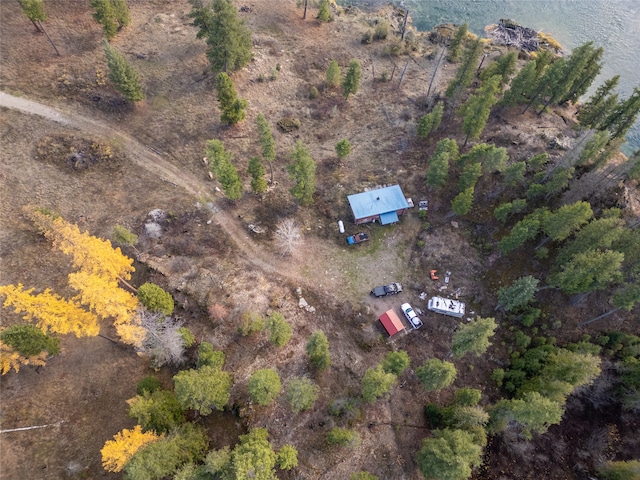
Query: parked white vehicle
x: 411, y: 315
x: 446, y: 306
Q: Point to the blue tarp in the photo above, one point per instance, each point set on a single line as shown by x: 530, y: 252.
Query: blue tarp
x: 387, y: 218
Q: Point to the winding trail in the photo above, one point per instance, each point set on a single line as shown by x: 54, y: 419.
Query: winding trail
x: 168, y: 172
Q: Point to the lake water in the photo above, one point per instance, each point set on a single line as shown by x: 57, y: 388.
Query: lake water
x: 612, y: 24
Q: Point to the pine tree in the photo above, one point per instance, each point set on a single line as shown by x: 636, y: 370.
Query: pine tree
x: 267, y: 142
x: 519, y: 294
x: 158, y: 411
x: 563, y: 222
x: 216, y: 155
x: 287, y: 457
x: 204, y: 389
x: 257, y: 171
x: 504, y: 66
x: 396, y: 362
x: 514, y: 174
x: 50, y: 312
x: 34, y: 11
x: 254, y: 456
x: 279, y: 330
x: 532, y: 414
x: 351, y: 81
x: 550, y: 83
x: 462, y: 202
x: 121, y: 12
x: 589, y: 271
x: 586, y: 67
x: 600, y: 104
x: 303, y: 172
x: 473, y: 337
x: 438, y: 171
x: 105, y: 15
x: 332, y: 75
x: 202, y: 16
x: 229, y: 41
x: 436, y: 374
x: 301, y: 394
x: 155, y: 298
x: 25, y: 345
x: 343, y: 148
x: 264, y: 386
x: 117, y: 452
x: 457, y: 42
x: 324, y: 14
x: 376, y: 383
x: 526, y: 229
x: 450, y: 454
x: 122, y: 74
x: 492, y: 158
x: 521, y: 86
x: 476, y: 110
x: 430, y: 122
x: 318, y: 350
x: 623, y: 116
x: 466, y: 71
x: 229, y: 179
x: 232, y: 107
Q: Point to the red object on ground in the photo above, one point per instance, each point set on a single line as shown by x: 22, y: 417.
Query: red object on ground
x: 433, y: 275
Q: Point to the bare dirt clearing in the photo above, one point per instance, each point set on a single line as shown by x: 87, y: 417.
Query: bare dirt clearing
x: 206, y: 253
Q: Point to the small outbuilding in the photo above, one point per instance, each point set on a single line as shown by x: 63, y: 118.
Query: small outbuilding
x: 383, y: 204
x: 391, y: 322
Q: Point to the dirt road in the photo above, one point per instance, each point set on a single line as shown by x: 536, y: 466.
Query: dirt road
x: 159, y: 166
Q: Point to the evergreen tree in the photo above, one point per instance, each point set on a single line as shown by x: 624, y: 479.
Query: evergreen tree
x: 476, y: 110
x: 514, y: 174
x: 438, y: 171
x: 257, y: 171
x: 324, y: 14
x: 597, y: 234
x: 593, y: 148
x: 343, y: 148
x: 396, y: 362
x: 332, y: 75
x: 301, y: 394
x: 430, y: 122
x: 600, y: 104
x: 457, y: 42
x: 526, y: 229
x: 122, y: 74
x: 623, y: 116
x: 29, y: 340
x: 449, y: 455
x: 519, y: 294
x: 279, y: 330
x: 620, y: 470
x: 318, y: 350
x: 203, y: 390
x: 216, y: 155
x: 351, y: 81
x: 466, y: 71
x: 531, y: 414
x: 376, y: 383
x: 589, y: 271
x: 155, y: 298
x: 492, y: 158
x: 462, y: 202
x: 584, y: 66
x: 202, y: 15
x: 550, y: 84
x: 121, y: 13
x: 544, y: 58
x: 504, y: 66
x: 303, y: 171
x: 521, y: 86
x: 267, y: 142
x: 343, y: 437
x: 563, y: 222
x: 436, y: 374
x: 473, y: 337
x: 229, y: 179
x: 287, y: 457
x: 254, y: 456
x: 232, y: 107
x: 159, y: 411
x: 34, y: 11
x: 104, y: 13
x: 229, y: 41
x: 264, y: 386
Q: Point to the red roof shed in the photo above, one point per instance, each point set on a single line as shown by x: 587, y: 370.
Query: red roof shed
x: 391, y: 323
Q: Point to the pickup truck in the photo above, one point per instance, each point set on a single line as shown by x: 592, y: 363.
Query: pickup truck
x: 411, y: 316
x: 357, y: 238
x: 385, y: 290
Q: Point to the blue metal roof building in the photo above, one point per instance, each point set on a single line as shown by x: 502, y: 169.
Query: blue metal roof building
x: 384, y: 204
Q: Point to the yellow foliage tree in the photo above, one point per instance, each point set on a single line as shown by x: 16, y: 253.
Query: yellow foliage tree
x: 107, y: 300
x: 50, y: 311
x: 90, y: 254
x: 9, y: 359
x: 117, y: 452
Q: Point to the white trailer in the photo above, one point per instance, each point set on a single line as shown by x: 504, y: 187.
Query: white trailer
x: 446, y: 306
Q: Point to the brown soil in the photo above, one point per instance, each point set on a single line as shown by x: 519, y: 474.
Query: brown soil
x: 79, y: 149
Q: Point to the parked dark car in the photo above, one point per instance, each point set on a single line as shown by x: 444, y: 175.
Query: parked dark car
x: 385, y: 290
x: 357, y: 238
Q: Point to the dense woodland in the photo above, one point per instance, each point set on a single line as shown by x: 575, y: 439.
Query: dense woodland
x: 558, y: 218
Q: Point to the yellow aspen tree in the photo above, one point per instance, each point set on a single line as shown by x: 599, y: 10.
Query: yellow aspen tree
x: 117, y: 452
x: 89, y: 253
x: 11, y: 359
x: 50, y: 312
x: 107, y: 300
